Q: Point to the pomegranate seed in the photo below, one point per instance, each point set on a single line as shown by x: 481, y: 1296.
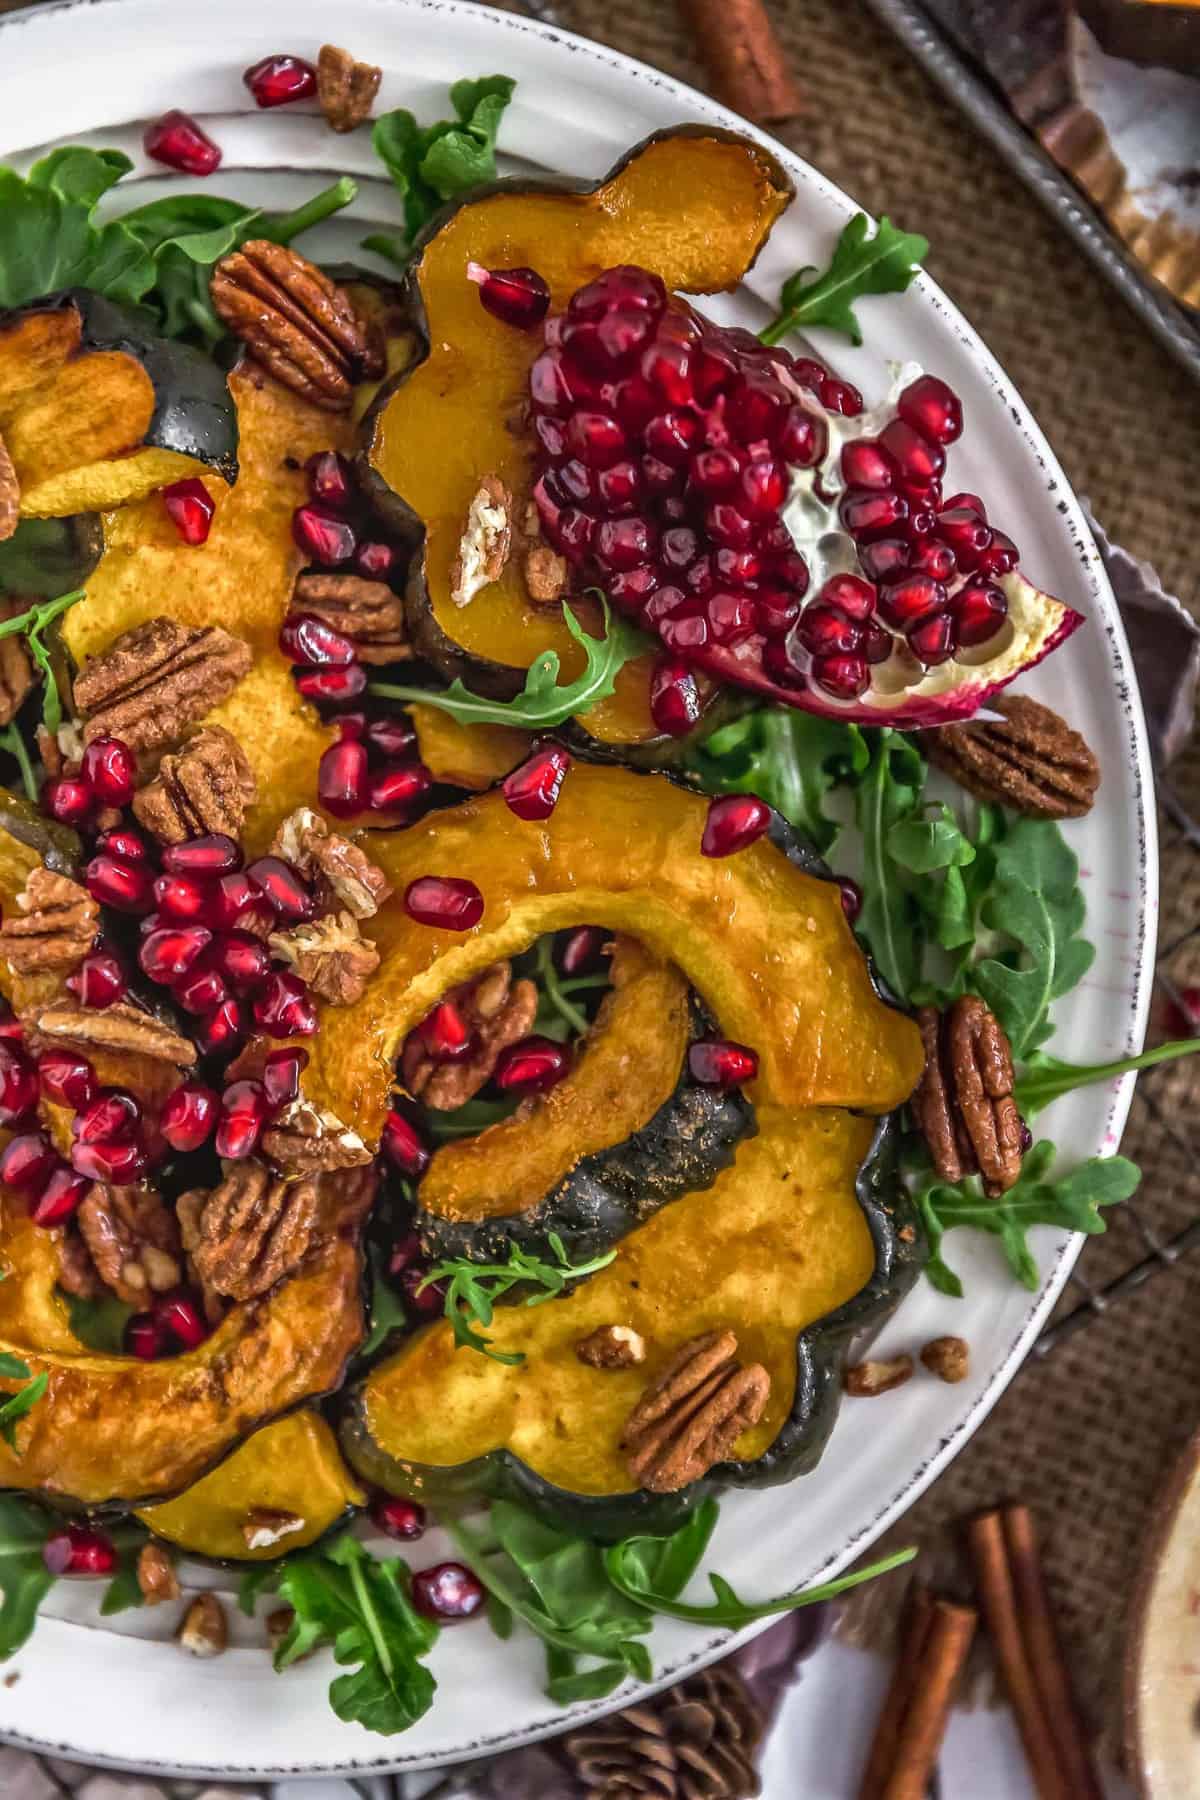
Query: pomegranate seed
x: 532, y: 1065
x: 244, y: 1117
x: 121, y: 1164
x: 865, y: 464
x: 278, y: 80
x: 885, y: 560
x: 18, y: 1086
x: 721, y: 1063
x: 671, y: 436
x: 220, y: 1033
x: 731, y: 617
x: 234, y: 897
x: 109, y: 768
x: 685, y: 628
x: 757, y: 407
x: 405, y: 1253
x: 333, y: 686
x: 59, y: 1198
x: 212, y: 854
x: 99, y: 980
x: 845, y: 677
x: 79, y: 1550
x: 623, y: 285
x: 840, y: 397
x: 879, y: 644
x: 27, y: 1162
x: 392, y: 738
x: 178, y: 1316
x: 803, y: 438
x: 919, y: 462
x: 322, y: 536
x: 517, y: 297
x: 1000, y: 556
x: 282, y: 1007
x: 342, y: 778
x: 865, y: 514
x: 66, y: 1078
x: 111, y: 1117
x: 124, y: 843
x: 966, y: 534
x: 188, y: 1115
x: 978, y: 609
x: 143, y: 1338
x: 852, y: 897
x: 125, y: 887
x: 401, y: 1519
x: 776, y: 609
x: 396, y: 790
x: 281, y: 1075
x: 594, y: 439
x: 182, y: 899
x: 169, y: 951
x: 448, y: 1592
x: 715, y: 472
x: 932, y: 641
x: 444, y: 901
x: 674, y: 697
x: 280, y: 885
x: 850, y: 595
x: 375, y: 561
x: 928, y: 557
x: 403, y: 1148
x: 203, y: 987
x: 444, y: 1033
x: 623, y: 543
x: 305, y: 639
x: 422, y: 1302
x: 734, y: 821
x: 907, y: 602
x: 927, y: 405
x: 531, y: 792
x: 68, y: 799
x: 178, y: 141
x: 824, y: 631
x: 967, y: 503
x: 763, y: 487
x: 190, y: 508
x: 583, y: 950
x: 242, y: 959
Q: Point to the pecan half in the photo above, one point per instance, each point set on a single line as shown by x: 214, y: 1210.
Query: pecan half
x: 203, y: 1629
x: 16, y: 670
x: 249, y: 1231
x: 205, y: 786
x: 345, y: 875
x: 545, y: 573
x: 58, y: 926
x: 486, y: 542
x: 157, y: 679
x: 692, y: 1414
x: 1029, y: 759
x: 497, y: 1010
x: 76, y: 1270
x: 866, y: 1379
x: 964, y: 1105
x: 10, y: 495
x: 304, y: 1140
x: 133, y: 1240
x: 301, y: 326
x: 367, y: 612
x: 949, y: 1358
x: 331, y: 955
x: 156, y: 1575
x: 121, y: 1029
x: 265, y: 1526
x: 612, y: 1347
x: 346, y: 89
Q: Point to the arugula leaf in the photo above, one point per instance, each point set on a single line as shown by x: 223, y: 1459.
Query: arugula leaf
x: 124, y: 1591
x: 625, y: 1567
x: 431, y: 164
x: 883, y: 263
x: 258, y: 1579
x: 473, y: 1289
x: 100, y: 1324
x: 890, y: 795
x: 542, y: 702
x: 790, y: 759
x: 387, y: 1305
x: 1072, y: 1201
x: 31, y: 624
x: 12, y: 741
x: 24, y: 1578
x: 472, y: 1117
x: 48, y: 237
x: 17, y: 1405
x: 665, y: 1565
x: 1045, y: 1079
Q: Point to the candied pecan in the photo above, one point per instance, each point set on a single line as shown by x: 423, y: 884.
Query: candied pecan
x: 266, y: 1526
x: 367, y: 612
x: 301, y: 326
x: 545, y: 573
x: 124, y: 1030
x: 948, y: 1358
x: 133, y: 1240
x: 10, y: 495
x: 58, y: 928
x: 331, y: 955
x: 346, y: 89
x: 612, y: 1347
x: 204, y: 786
x: 76, y: 1270
x: 156, y: 1575
x: 486, y: 542
x: 344, y: 874
x: 16, y: 670
x: 693, y: 1412
x: 866, y: 1379
x: 250, y: 1231
x: 964, y: 1105
x: 1029, y: 759
x: 203, y: 1629
x: 497, y: 1011
x: 304, y: 1140
x: 157, y: 679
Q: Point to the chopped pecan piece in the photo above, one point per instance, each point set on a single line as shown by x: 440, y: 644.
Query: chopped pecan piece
x: 497, y: 1011
x: 545, y: 573
x: 250, y: 1231
x: 133, y: 1241
x: 265, y: 1526
x: 692, y: 1414
x: 948, y: 1358
x: 58, y: 927
x: 1029, y: 759
x: 346, y: 89
x: 16, y: 670
x: 121, y: 1029
x: 612, y: 1347
x: 156, y: 1575
x: 486, y: 542
x: 331, y: 955
x: 203, y: 1629
x: 157, y: 679
x: 303, y: 1140
x: 301, y: 326
x: 205, y: 786
x: 10, y: 495
x: 866, y: 1379
x: 367, y: 612
x: 964, y: 1105
x: 345, y: 876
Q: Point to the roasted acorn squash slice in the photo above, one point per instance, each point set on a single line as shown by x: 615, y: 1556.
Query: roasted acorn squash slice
x: 95, y: 410
x: 696, y: 205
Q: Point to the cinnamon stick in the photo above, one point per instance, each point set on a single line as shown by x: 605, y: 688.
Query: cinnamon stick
x: 1046, y: 1657
x: 882, y: 1757
x: 742, y: 52
x: 947, y: 1642
x: 998, y: 1597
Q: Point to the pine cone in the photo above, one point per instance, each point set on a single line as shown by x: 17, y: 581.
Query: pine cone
x: 695, y: 1742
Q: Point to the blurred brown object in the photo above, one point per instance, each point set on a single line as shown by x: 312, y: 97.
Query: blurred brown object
x: 1163, y: 33
x: 742, y: 52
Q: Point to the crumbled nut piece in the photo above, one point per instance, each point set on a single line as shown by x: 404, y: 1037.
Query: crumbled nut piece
x: 133, y: 1240
x: 964, y: 1105
x: 157, y: 679
x: 16, y: 670
x: 1029, y: 759
x: 693, y: 1412
x: 331, y: 955
x: 497, y: 1011
x: 302, y: 327
x: 367, y: 612
x: 58, y: 928
x: 205, y: 786
x: 303, y: 1140
x: 76, y: 1270
x: 344, y: 875
x: 156, y: 1575
x: 122, y: 1029
x: 203, y: 1629
x: 346, y: 89
x: 545, y: 574
x: 948, y: 1358
x: 612, y: 1347
x: 250, y: 1231
x: 265, y: 1526
x: 10, y: 496
x: 486, y: 542
x: 278, y: 1624
x: 867, y: 1379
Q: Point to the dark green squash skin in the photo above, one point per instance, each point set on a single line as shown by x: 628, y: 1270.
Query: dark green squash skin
x: 680, y: 1150
x: 47, y: 557
x: 193, y: 412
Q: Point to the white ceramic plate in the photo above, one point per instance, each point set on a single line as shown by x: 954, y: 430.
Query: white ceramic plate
x: 94, y: 72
